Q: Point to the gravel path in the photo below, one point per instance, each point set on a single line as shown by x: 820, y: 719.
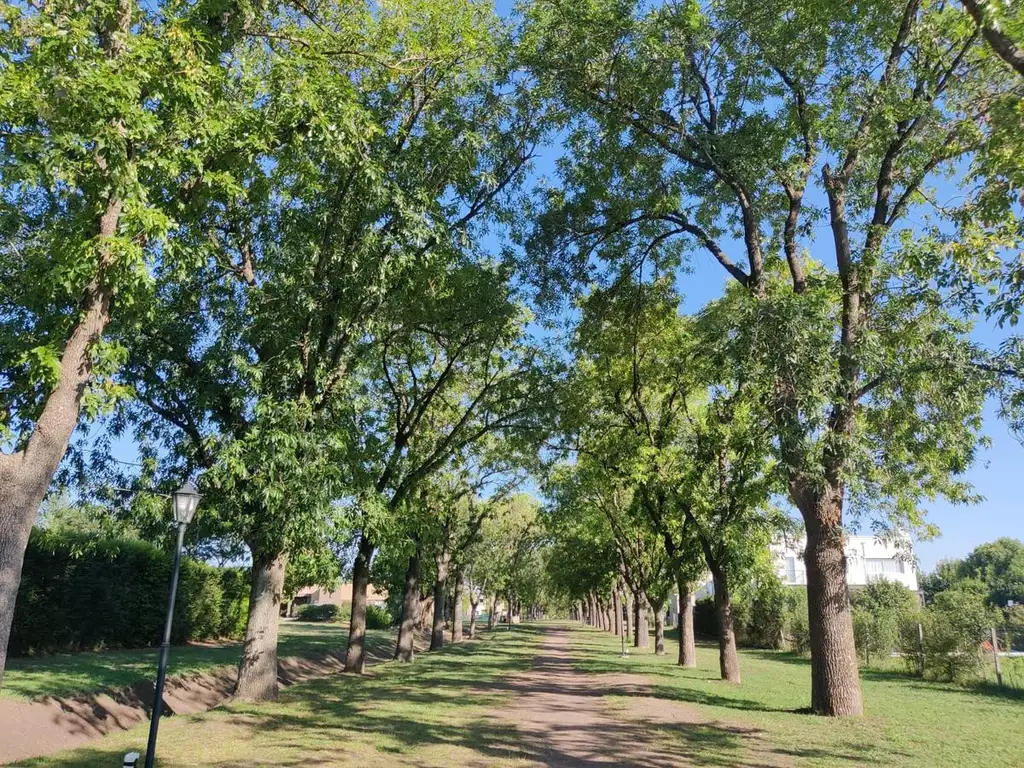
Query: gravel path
x: 565, y: 720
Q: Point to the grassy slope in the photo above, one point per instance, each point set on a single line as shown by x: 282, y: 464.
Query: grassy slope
x: 71, y: 673
x: 908, y: 722
x: 430, y: 713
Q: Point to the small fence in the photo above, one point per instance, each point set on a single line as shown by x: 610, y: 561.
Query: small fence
x: 992, y: 657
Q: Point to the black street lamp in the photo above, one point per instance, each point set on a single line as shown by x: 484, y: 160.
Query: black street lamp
x: 185, y: 500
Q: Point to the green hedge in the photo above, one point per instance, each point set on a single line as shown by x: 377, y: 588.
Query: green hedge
x: 325, y: 612
x: 378, y: 617
x: 78, y: 593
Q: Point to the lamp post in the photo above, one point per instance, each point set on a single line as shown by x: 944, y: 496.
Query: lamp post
x: 184, y: 503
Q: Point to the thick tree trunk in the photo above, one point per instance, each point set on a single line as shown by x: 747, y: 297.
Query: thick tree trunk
x: 609, y: 618
x: 404, y: 649
x: 355, y: 654
x: 659, y: 631
x: 728, y: 660
x: 494, y: 610
x: 835, y: 680
x: 457, y: 607
x: 630, y: 623
x: 442, y: 563
x: 257, y: 669
x: 641, y: 631
x: 687, y: 646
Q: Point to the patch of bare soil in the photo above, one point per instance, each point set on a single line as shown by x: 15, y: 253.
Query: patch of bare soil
x: 565, y: 721
x: 52, y: 724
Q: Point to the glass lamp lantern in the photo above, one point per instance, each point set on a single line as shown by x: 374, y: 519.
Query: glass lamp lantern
x: 186, y: 499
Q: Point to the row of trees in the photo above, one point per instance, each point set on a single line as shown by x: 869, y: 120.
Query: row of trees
x: 257, y: 235
x: 252, y: 234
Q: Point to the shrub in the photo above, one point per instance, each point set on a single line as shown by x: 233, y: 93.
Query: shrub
x: 879, y: 612
x: 378, y: 617
x: 705, y: 622
x: 955, y: 627
x: 324, y: 612
x: 81, y: 593
x: 797, y: 631
x: 765, y: 614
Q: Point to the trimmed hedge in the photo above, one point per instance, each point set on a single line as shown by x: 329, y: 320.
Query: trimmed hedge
x: 78, y: 593
x: 324, y: 612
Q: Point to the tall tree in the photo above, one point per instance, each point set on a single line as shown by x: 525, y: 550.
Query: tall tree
x: 103, y: 106
x: 729, y: 129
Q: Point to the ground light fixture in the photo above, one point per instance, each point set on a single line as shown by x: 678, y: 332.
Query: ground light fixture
x: 183, y: 504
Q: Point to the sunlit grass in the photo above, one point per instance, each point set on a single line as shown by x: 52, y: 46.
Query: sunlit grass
x: 908, y: 721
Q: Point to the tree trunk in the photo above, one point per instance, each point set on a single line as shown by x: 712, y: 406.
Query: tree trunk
x: 440, y: 591
x: 835, y: 680
x: 355, y: 654
x: 494, y: 610
x: 642, y: 632
x: 473, y: 605
x: 457, y: 607
x: 404, y: 649
x: 728, y: 660
x: 659, y: 631
x: 608, y: 617
x: 687, y: 646
x: 617, y: 611
x: 257, y: 669
x: 630, y: 623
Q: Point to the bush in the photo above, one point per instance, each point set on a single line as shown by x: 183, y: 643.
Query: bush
x: 955, y: 627
x: 324, y: 612
x: 80, y: 593
x: 796, y: 629
x: 705, y: 622
x: 879, y: 613
x: 378, y: 617
x: 765, y: 615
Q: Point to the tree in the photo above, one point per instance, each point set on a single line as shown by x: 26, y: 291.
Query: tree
x: 104, y: 107
x: 998, y: 565
x: 371, y: 143
x: 705, y: 130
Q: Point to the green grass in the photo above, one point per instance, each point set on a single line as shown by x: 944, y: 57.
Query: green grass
x: 434, y: 712
x: 67, y: 674
x: 909, y: 722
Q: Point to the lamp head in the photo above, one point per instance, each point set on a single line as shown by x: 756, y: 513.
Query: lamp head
x: 185, y: 499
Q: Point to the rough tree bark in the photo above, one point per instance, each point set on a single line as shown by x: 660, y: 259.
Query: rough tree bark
x: 257, y: 669
x: 457, y: 607
x: 355, y: 654
x: 494, y: 610
x: 835, y: 678
x: 659, y: 629
x: 404, y: 648
x: 687, y: 645
x: 443, y: 563
x: 642, y: 631
x: 630, y: 624
x: 728, y: 660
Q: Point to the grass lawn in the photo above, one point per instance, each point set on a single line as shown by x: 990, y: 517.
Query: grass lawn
x: 433, y: 712
x: 908, y: 721
x: 67, y: 674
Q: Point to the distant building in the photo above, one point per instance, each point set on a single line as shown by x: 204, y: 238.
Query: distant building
x: 868, y: 559
x: 340, y: 596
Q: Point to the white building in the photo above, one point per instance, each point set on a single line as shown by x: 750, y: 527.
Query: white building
x: 868, y: 559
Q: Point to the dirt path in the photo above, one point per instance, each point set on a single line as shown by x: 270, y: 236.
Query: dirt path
x: 564, y: 720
